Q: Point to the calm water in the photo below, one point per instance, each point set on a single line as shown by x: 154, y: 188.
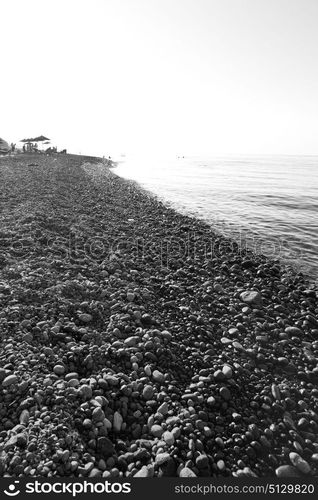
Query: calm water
x: 269, y: 202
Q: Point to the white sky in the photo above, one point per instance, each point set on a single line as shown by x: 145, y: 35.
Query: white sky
x: 176, y: 76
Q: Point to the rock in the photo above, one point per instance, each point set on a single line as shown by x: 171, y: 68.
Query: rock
x: 227, y: 371
x: 85, y: 318
x: 186, y: 472
x: 98, y: 415
x: 287, y: 471
x: 225, y: 393
x: 16, y: 440
x: 143, y: 472
x: 105, y: 446
x: 131, y: 341
x: 299, y: 463
x: 220, y: 464
x: 117, y: 422
x: 251, y: 297
x: 59, y: 369
x: 294, y: 331
x: 156, y: 430
x: 276, y: 392
x: 168, y: 438
x: 9, y: 380
x: 158, y: 376
x: 148, y: 392
x: 163, y: 408
x: 85, y: 391
x: 95, y: 473
x: 24, y: 417
x: 130, y: 296
x: 202, y: 462
x: 162, y: 458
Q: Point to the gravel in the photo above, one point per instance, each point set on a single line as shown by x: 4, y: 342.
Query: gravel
x: 137, y: 342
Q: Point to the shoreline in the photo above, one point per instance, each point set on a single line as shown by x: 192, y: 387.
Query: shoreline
x: 175, y: 352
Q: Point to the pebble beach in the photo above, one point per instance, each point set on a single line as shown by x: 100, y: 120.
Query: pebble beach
x: 137, y: 342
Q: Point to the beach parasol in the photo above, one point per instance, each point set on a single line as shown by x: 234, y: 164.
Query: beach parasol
x: 41, y: 138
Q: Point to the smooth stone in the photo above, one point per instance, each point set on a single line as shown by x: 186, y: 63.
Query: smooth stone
x: 105, y: 446
x: 251, y: 297
x: 148, y: 392
x: 24, y: 417
x: 227, y: 371
x: 131, y: 341
x: 299, y: 463
x: 162, y: 458
x: 143, y: 472
x: 225, y: 393
x: 293, y: 330
x: 85, y: 391
x: 276, y: 392
x: 202, y: 462
x: 59, y: 369
x: 98, y: 415
x: 168, y: 438
x: 287, y: 471
x: 85, y: 318
x: 186, y: 472
x: 163, y: 409
x: 10, y: 380
x: 156, y: 430
x: 117, y: 422
x: 158, y: 376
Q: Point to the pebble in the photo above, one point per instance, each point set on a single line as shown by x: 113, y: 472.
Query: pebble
x: 158, y: 376
x: 225, y: 393
x: 162, y: 458
x: 251, y: 297
x: 59, y: 369
x: 202, y: 462
x: 293, y: 330
x: 148, y: 392
x: 186, y: 472
x: 85, y: 391
x: 163, y: 408
x: 85, y: 318
x: 168, y: 438
x: 227, y: 371
x: 286, y: 471
x: 9, y: 380
x: 299, y: 463
x: 143, y: 472
x: 156, y: 430
x: 118, y: 421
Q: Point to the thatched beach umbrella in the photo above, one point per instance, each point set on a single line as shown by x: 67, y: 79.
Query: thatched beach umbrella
x: 40, y: 138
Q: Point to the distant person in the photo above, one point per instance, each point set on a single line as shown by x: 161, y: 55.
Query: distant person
x: 23, y: 148
x: 12, y: 147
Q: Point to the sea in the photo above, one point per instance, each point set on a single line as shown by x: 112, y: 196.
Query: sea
x: 269, y: 203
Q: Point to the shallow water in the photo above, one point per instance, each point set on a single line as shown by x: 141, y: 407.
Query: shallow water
x: 270, y: 202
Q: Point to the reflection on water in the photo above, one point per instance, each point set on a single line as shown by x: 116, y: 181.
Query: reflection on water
x: 270, y: 201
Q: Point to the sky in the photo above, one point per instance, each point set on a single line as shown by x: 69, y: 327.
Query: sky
x: 178, y: 77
